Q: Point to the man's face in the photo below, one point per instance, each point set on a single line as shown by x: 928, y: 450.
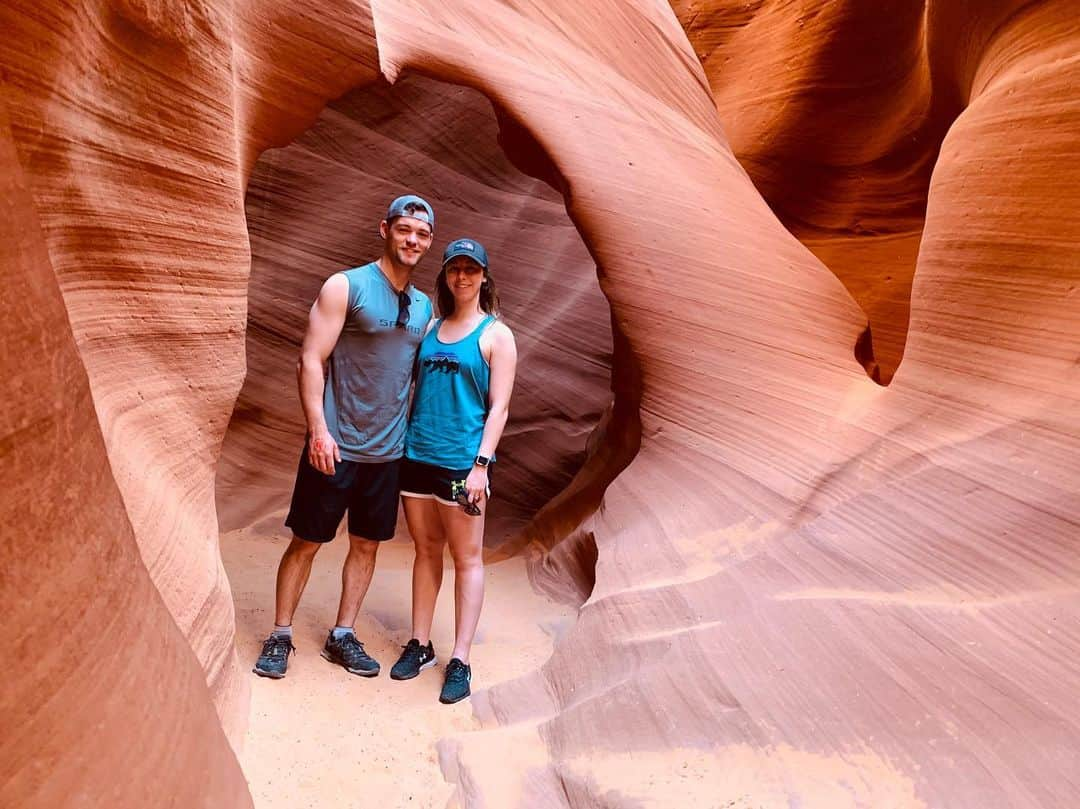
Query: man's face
x: 407, y: 239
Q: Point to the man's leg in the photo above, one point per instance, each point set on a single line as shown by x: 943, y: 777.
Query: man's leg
x: 318, y: 504
x: 373, y: 511
x: 342, y: 646
x: 355, y: 578
x: 292, y: 578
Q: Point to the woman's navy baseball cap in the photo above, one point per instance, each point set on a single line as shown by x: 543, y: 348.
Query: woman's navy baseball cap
x: 397, y: 208
x: 466, y: 247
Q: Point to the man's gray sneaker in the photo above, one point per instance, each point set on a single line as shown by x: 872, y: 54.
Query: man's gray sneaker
x: 456, y: 683
x: 348, y: 652
x: 274, y: 660
x: 413, y: 660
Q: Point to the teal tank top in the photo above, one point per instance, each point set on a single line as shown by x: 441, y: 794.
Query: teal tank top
x: 450, y: 403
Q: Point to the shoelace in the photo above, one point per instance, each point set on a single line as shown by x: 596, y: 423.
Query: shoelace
x: 276, y: 646
x: 457, y: 672
x: 413, y: 654
x: 350, y: 644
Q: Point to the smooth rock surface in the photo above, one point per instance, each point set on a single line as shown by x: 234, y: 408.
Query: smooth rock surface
x: 845, y: 594
x: 835, y: 112
x: 313, y: 209
x: 104, y: 703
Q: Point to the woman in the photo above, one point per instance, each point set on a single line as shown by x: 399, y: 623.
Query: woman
x: 465, y: 373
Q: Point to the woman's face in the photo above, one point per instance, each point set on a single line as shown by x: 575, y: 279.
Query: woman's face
x: 464, y: 277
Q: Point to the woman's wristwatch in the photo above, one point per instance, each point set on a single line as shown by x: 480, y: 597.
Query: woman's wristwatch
x: 481, y: 461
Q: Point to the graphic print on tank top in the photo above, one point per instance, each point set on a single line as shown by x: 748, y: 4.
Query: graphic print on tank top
x: 444, y: 362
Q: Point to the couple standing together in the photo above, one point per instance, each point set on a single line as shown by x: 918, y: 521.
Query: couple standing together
x: 371, y: 337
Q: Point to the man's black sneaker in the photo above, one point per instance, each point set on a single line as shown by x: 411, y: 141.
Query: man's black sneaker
x: 347, y: 651
x: 274, y: 660
x: 413, y: 660
x: 456, y: 685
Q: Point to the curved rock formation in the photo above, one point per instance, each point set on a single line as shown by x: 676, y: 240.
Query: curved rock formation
x: 808, y: 588
x: 135, y: 125
x: 836, y: 115
x: 104, y: 703
x: 313, y: 209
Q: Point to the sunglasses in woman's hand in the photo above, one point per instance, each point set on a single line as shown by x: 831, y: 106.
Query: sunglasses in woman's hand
x: 461, y: 497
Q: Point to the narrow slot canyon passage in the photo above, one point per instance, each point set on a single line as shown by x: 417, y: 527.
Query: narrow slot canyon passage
x: 846, y: 163
x: 807, y: 586
x: 322, y: 736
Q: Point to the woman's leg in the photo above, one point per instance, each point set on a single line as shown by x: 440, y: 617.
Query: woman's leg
x: 465, y: 535
x: 428, y: 541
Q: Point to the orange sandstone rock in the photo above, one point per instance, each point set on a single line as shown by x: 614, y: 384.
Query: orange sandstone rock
x: 313, y: 209
x: 104, y: 703
x: 136, y: 124
x: 834, y: 111
x: 858, y: 595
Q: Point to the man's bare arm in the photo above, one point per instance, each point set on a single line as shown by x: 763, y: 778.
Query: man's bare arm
x: 325, y: 322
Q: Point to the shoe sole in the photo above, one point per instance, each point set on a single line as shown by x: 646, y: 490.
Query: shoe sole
x: 273, y: 675
x: 357, y: 672
x: 427, y: 665
x: 454, y: 701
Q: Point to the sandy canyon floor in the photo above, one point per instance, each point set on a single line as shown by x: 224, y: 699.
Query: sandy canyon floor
x: 323, y: 737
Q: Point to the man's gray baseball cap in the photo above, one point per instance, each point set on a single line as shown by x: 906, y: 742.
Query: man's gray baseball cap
x: 466, y: 247
x: 397, y: 208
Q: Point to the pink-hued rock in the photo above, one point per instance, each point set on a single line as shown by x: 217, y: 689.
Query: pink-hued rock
x: 800, y: 566
x: 313, y: 209
x: 835, y: 113
x: 807, y: 589
x: 136, y: 124
x: 103, y: 702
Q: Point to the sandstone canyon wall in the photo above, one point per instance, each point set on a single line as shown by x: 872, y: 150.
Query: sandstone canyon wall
x: 836, y: 114
x: 135, y: 126
x: 313, y: 209
x: 105, y: 705
x: 807, y: 588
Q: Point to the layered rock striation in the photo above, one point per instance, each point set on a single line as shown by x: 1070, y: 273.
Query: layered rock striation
x: 804, y: 587
x: 104, y: 702
x: 313, y: 209
x: 837, y: 114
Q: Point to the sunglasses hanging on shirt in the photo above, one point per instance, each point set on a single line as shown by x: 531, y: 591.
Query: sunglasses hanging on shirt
x: 403, y: 310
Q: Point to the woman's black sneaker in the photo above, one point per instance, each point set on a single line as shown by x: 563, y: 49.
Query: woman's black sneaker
x: 413, y: 660
x: 274, y: 660
x: 456, y: 685
x: 348, y: 652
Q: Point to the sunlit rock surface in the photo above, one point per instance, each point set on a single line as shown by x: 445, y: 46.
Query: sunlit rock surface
x: 104, y: 703
x: 835, y: 112
x: 808, y: 588
x: 313, y: 209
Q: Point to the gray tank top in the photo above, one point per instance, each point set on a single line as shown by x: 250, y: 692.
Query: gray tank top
x: 367, y: 389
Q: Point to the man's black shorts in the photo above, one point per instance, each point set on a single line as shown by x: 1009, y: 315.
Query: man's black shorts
x: 369, y: 491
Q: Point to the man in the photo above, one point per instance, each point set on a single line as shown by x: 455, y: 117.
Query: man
x: 366, y: 326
